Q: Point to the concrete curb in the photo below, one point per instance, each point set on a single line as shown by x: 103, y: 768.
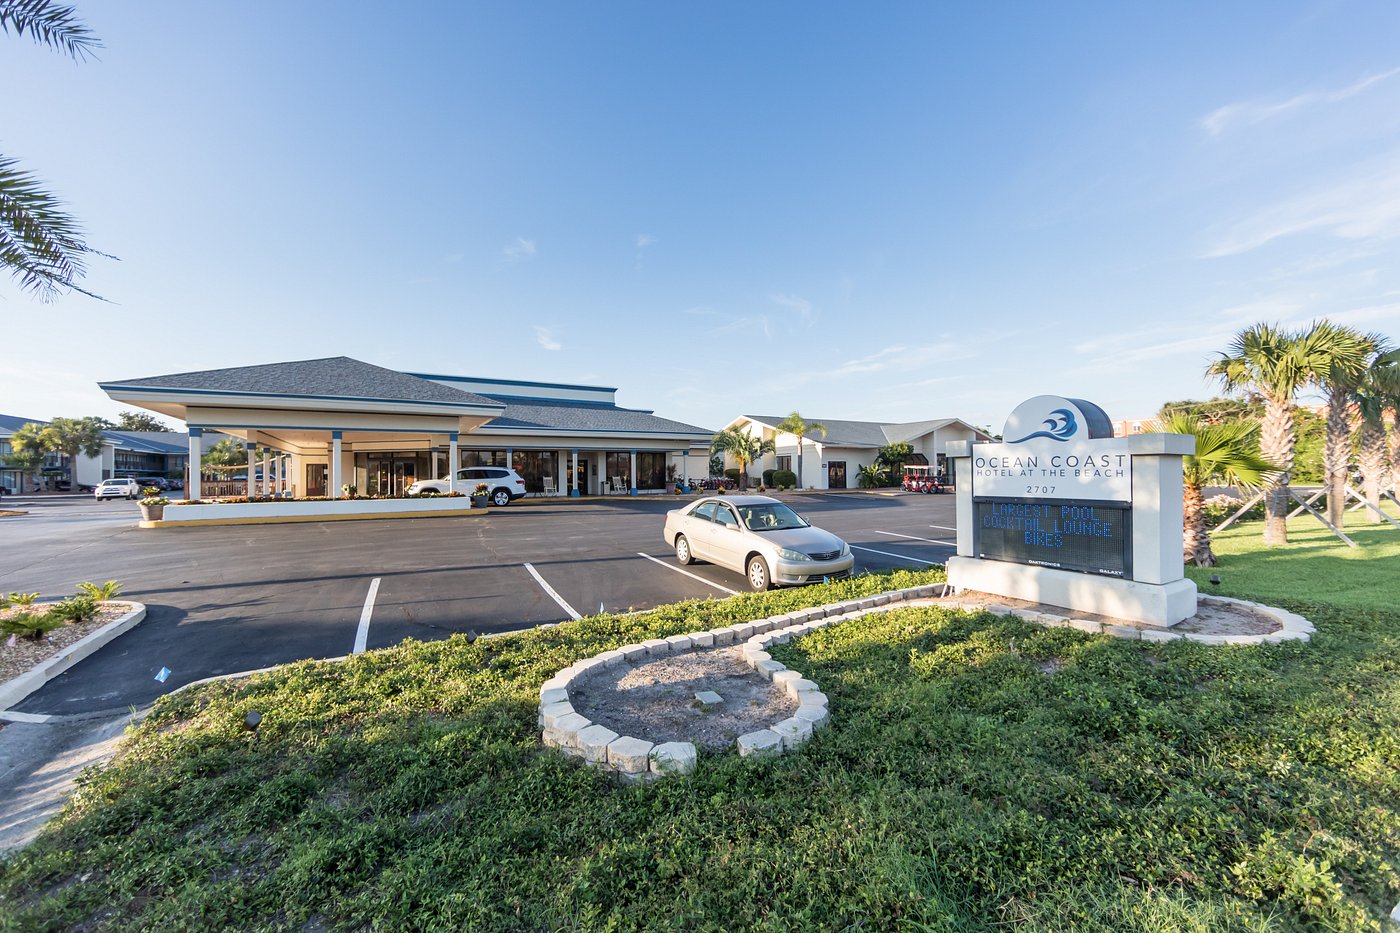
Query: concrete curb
x: 16, y: 689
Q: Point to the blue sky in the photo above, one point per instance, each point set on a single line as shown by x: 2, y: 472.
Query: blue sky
x: 873, y: 211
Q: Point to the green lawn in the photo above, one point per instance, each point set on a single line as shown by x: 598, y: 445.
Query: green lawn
x: 979, y: 774
x: 1315, y: 567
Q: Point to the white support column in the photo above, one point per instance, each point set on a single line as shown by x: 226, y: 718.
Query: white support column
x: 510, y: 458
x: 284, y: 474
x: 250, y: 451
x: 452, y: 462
x: 193, y: 468
x: 632, y: 473
x: 266, y: 487
x: 573, y: 478
x: 336, y: 481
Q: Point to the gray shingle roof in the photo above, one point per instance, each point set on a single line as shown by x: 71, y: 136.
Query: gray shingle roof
x: 862, y: 433
x: 526, y: 416
x: 154, y: 442
x: 12, y: 423
x: 332, y: 377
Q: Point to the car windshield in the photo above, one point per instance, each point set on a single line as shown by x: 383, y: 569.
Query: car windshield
x: 774, y: 517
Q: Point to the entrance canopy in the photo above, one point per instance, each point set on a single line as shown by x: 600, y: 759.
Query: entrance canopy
x: 336, y: 419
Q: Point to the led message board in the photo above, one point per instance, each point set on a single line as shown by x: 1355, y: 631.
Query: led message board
x: 1087, y: 537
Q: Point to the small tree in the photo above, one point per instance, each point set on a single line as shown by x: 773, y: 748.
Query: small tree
x: 227, y: 452
x: 891, y: 459
x: 1339, y: 370
x: 743, y: 447
x: 799, y: 428
x: 27, y: 451
x: 140, y: 421
x: 1224, y: 452
x: 71, y: 437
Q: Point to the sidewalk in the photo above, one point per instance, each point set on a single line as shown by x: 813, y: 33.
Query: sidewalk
x: 39, y: 765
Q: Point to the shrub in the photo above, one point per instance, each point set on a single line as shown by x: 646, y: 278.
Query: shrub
x: 24, y: 600
x: 768, y: 477
x: 785, y: 478
x: 732, y: 473
x: 109, y: 590
x: 33, y: 625
x: 76, y: 609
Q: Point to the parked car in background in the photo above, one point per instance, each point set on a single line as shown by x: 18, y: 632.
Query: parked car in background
x: 503, y: 485
x: 121, y: 488
x: 759, y: 537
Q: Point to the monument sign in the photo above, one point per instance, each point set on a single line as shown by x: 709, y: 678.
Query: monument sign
x: 1062, y: 512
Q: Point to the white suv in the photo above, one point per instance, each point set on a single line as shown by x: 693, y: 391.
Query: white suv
x: 124, y: 488
x: 503, y: 485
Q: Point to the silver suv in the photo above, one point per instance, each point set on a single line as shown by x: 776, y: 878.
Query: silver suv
x: 503, y: 485
x: 124, y: 488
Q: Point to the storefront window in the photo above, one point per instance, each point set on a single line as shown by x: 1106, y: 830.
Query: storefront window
x: 651, y: 471
x: 471, y: 458
x: 534, y: 465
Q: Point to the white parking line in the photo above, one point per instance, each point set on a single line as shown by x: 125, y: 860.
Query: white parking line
x: 895, y: 534
x: 856, y: 547
x: 943, y: 527
x: 573, y: 613
x: 688, y: 574
x: 362, y: 633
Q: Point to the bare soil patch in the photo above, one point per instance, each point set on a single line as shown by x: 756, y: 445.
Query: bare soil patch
x: 655, y: 699
x: 26, y: 653
x: 1213, y: 616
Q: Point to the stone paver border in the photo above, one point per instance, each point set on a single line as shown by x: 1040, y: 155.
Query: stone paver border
x: 638, y: 759
x: 1293, y: 627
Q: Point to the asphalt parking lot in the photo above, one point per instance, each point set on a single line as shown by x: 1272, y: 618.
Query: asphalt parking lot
x: 235, y: 598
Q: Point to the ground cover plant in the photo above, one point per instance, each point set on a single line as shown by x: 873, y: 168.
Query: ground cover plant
x: 979, y: 773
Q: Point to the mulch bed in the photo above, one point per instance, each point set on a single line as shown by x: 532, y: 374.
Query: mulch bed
x: 26, y: 653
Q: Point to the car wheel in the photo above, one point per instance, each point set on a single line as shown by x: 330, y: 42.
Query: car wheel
x: 500, y: 497
x: 683, y: 551
x: 758, y: 574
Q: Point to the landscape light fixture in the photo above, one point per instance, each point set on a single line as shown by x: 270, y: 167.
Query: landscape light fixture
x: 1215, y: 579
x: 252, y: 721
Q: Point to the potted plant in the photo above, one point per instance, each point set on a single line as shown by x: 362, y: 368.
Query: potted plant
x: 153, y: 505
x: 480, y: 496
x: 670, y: 479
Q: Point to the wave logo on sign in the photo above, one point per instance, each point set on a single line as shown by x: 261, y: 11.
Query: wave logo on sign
x: 1055, y: 418
x: 1061, y: 425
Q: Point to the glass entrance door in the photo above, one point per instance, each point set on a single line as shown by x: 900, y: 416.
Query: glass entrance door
x: 582, y: 477
x: 836, y: 474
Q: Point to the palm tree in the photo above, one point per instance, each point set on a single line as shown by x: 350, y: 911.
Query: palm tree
x: 1378, y: 393
x: 1274, y: 364
x: 228, y: 452
x: 1224, y: 453
x: 799, y: 428
x: 72, y: 436
x: 40, y: 243
x: 27, y: 450
x: 1344, y: 357
x: 744, y: 447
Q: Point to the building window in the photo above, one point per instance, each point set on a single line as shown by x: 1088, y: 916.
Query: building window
x: 651, y: 471
x: 785, y: 463
x: 472, y: 458
x: 534, y: 465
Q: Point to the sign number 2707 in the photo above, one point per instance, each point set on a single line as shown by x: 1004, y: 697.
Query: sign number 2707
x: 1040, y: 490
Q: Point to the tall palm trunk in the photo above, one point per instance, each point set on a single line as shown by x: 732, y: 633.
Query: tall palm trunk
x: 1196, y: 540
x: 1336, y: 454
x: 1395, y: 452
x: 1276, y: 443
x: 1370, y: 455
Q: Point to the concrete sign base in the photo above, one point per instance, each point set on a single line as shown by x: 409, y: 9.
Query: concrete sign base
x: 1150, y: 603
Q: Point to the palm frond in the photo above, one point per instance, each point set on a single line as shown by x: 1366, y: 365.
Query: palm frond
x: 55, y: 25
x: 40, y: 243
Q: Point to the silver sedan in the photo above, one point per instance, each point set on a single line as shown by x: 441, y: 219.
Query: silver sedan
x: 759, y: 537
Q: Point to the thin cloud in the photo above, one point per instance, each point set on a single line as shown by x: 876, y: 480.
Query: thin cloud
x: 1249, y: 113
x: 1364, y: 206
x: 520, y: 248
x: 544, y: 336
x: 644, y: 240
x: 797, y: 303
